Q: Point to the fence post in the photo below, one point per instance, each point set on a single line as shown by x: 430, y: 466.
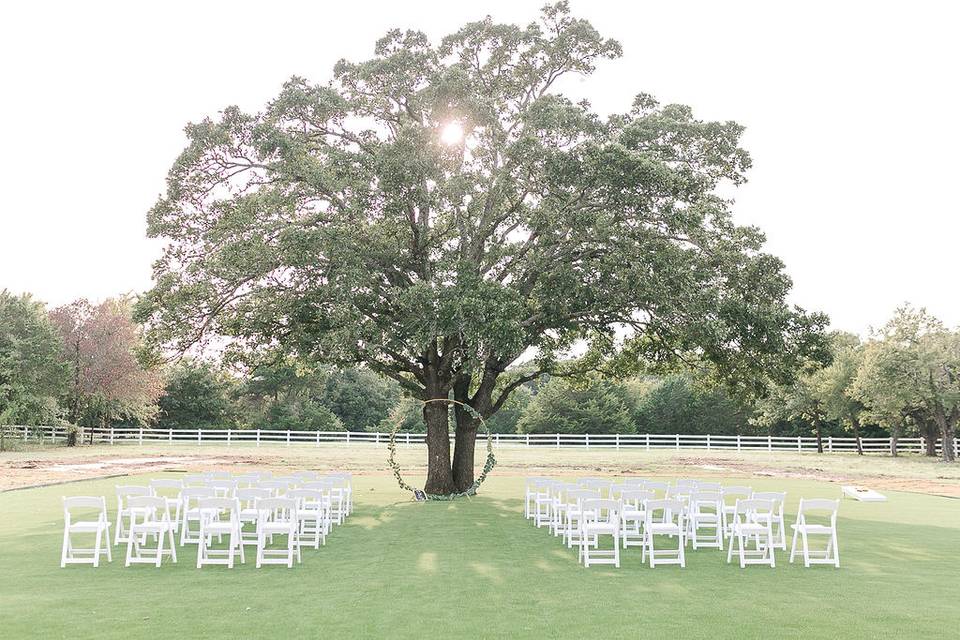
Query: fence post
x: 408, y: 437
x: 288, y: 437
x: 348, y: 437
x: 140, y: 442
x: 769, y: 443
x: 170, y: 436
x: 799, y: 445
x: 647, y: 441
x: 199, y: 436
x: 376, y: 437
x: 738, y: 442
x: 617, y: 441
x: 496, y: 439
x: 258, y: 437
x: 25, y: 431
x: 708, y: 442
x: 528, y: 439
x: 228, y: 437
x: 678, y: 442
x: 830, y: 444
x: 586, y: 439
x: 318, y: 437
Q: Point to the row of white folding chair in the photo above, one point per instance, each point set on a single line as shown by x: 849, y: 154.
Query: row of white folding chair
x: 85, y: 515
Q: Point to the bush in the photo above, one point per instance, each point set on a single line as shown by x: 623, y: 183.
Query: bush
x: 74, y: 435
x: 560, y: 407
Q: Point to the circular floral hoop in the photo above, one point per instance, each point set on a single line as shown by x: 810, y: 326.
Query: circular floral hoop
x: 488, y: 466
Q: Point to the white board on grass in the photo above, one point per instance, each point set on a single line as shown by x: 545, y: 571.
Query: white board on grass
x: 863, y: 494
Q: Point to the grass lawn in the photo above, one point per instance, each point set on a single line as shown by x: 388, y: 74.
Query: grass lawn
x: 476, y: 568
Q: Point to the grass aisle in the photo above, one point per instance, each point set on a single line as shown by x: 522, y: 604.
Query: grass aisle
x: 476, y: 568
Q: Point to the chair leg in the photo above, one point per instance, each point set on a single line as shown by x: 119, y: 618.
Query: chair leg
x: 173, y: 547
x: 129, y: 550
x: 793, y: 545
x: 159, y: 549
x: 66, y: 545
x: 730, y: 550
x: 836, y: 549
x: 806, y: 549
x: 740, y: 543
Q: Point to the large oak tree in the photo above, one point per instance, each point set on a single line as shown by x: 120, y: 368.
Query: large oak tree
x: 440, y: 211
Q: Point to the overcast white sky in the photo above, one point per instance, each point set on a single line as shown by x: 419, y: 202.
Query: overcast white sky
x: 851, y: 111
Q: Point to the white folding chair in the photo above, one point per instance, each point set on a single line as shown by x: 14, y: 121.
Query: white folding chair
x: 248, y: 511
x: 690, y: 484
x: 277, y: 516
x: 618, y: 487
x: 149, y: 516
x: 190, y: 512
x: 818, y: 510
x: 529, y: 492
x: 124, y: 493
x: 558, y: 511
x: 219, y: 517
x: 752, y: 519
x: 597, y: 484
x: 664, y: 518
x: 345, y: 483
x: 636, y: 483
x: 705, y: 514
x: 633, y: 513
x: 709, y: 487
x: 313, y: 516
x: 543, y: 502
x: 730, y: 496
x: 778, y: 525
x: 574, y: 513
x: 217, y: 475
x: 600, y: 518
x: 98, y: 525
x: 169, y: 490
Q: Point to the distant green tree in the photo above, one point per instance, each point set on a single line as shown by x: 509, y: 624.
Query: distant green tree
x: 677, y: 403
x: 33, y: 372
x: 600, y: 406
x: 197, y: 395
x: 505, y: 420
x: 301, y: 414
x: 360, y: 398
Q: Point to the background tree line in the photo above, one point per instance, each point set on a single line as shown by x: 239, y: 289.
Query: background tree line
x: 86, y: 364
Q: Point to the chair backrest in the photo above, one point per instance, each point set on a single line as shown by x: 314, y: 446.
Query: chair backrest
x: 713, y: 487
x: 217, y: 475
x: 601, y: 510
x: 532, y: 481
x: 733, y: 492
x: 76, y: 503
x: 634, y: 482
x: 778, y: 497
x: 163, y: 485
x: 229, y: 506
x: 195, y: 480
x: 636, y: 498
x: 578, y: 496
x: 248, y: 496
x: 278, y: 509
x: 681, y: 491
x: 657, y: 486
x: 819, y: 508
x: 223, y: 488
x: 129, y: 490
x: 264, y: 475
x: 600, y: 484
x: 148, y: 509
x: 307, y: 475
x: 664, y: 510
x: 278, y: 487
x: 191, y: 494
x: 246, y: 480
x: 619, y: 487
x: 306, y: 498
x: 690, y: 483
x: 587, y: 480
x: 705, y: 501
x: 754, y: 505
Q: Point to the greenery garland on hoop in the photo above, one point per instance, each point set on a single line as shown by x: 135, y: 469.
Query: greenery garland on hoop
x: 488, y: 466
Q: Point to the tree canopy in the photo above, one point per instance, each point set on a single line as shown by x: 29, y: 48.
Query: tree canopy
x: 345, y: 224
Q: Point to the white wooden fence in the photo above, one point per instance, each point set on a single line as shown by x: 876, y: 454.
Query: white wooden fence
x: 257, y: 437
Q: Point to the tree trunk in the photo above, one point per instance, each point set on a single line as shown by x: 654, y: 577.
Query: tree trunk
x: 929, y: 438
x: 894, y: 438
x: 946, y: 443
x: 463, y: 453
x: 439, y: 473
x: 818, y: 431
x: 856, y: 433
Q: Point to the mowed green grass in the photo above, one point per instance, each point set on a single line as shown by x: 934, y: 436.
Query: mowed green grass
x: 475, y: 568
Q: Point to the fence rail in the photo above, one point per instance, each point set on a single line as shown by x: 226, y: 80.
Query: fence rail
x: 137, y: 435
